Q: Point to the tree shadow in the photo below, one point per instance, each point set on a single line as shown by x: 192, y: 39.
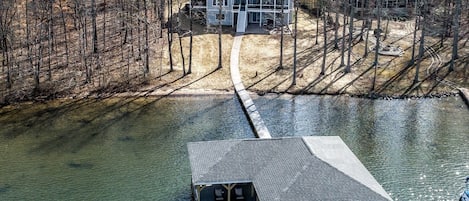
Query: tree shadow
x: 398, y: 76
x: 346, y: 86
x: 84, y: 130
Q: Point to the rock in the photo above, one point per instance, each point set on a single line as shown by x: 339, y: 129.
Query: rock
x: 80, y: 165
x: 4, y: 188
x: 125, y: 138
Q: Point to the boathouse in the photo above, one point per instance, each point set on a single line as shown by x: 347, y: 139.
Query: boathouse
x: 283, y: 169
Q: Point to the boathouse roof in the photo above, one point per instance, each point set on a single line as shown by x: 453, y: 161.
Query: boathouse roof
x: 306, y: 168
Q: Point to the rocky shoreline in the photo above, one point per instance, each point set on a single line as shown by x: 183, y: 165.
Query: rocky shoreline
x: 223, y: 92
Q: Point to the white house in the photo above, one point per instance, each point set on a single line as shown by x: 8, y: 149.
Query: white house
x: 240, y: 13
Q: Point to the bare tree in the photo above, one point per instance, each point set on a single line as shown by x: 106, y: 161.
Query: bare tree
x: 6, y: 37
x: 422, y: 41
x: 147, y: 42
x: 342, y: 57
x: 336, y: 27
x: 454, y: 54
x: 38, y: 46
x: 180, y: 34
x: 95, y: 29
x: 347, y: 67
x: 364, y: 21
x: 323, y: 66
x: 103, y: 52
x: 82, y: 24
x: 189, y: 70
x: 295, y: 35
x: 31, y: 16
x: 170, y: 33
x: 412, y: 57
x: 445, y: 22
x: 50, y: 37
x: 139, y: 30
x: 317, y: 21
x: 378, y: 33
x: 365, y: 54
x: 368, y: 22
x: 281, y: 35
x: 220, y: 7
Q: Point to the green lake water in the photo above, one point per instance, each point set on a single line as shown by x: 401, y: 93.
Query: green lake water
x: 135, y: 149
x: 115, y: 149
x: 416, y: 149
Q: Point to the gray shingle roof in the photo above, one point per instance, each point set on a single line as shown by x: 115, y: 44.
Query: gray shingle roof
x: 285, y: 168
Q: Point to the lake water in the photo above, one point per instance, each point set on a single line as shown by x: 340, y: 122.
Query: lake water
x: 134, y: 149
x: 416, y: 149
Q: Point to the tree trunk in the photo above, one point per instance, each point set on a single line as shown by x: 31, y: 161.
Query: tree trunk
x: 28, y: 39
x: 455, y: 55
x: 295, y: 40
x: 422, y: 43
x: 342, y: 51
x: 367, y: 37
x: 369, y: 25
x: 6, y: 18
x: 123, y: 29
x: 220, y: 4
x: 170, y: 34
x: 38, y: 67
x: 139, y: 33
x: 336, y: 29
x: 95, y: 29
x: 50, y: 39
x: 189, y: 71
x: 386, y: 30
x: 103, y: 51
x: 348, y: 67
x: 8, y: 77
x: 160, y: 16
x: 445, y: 23
x: 363, y: 22
x: 414, y: 40
x: 324, y: 56
x: 281, y: 38
x: 147, y: 43
x: 317, y: 24
x: 128, y: 66
x: 83, y: 41
x: 378, y: 34
x: 180, y: 40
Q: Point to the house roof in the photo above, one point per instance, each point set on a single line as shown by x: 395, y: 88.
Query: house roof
x: 306, y: 168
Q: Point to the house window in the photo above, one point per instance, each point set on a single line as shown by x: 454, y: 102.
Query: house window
x: 220, y: 18
x: 215, y: 2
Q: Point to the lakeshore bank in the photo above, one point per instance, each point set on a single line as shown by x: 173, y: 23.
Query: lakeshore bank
x: 261, y: 73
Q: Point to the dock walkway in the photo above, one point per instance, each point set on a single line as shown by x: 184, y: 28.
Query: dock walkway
x: 465, y: 95
x: 249, y: 108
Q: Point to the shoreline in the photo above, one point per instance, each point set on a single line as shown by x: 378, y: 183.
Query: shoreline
x: 259, y: 65
x: 223, y: 92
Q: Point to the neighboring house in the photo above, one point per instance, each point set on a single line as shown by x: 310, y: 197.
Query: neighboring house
x: 240, y: 13
x: 389, y: 8
x: 367, y: 7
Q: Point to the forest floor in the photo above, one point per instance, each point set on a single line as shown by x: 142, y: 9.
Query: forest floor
x: 259, y: 64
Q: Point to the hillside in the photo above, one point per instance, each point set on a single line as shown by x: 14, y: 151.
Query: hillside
x: 81, y: 48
